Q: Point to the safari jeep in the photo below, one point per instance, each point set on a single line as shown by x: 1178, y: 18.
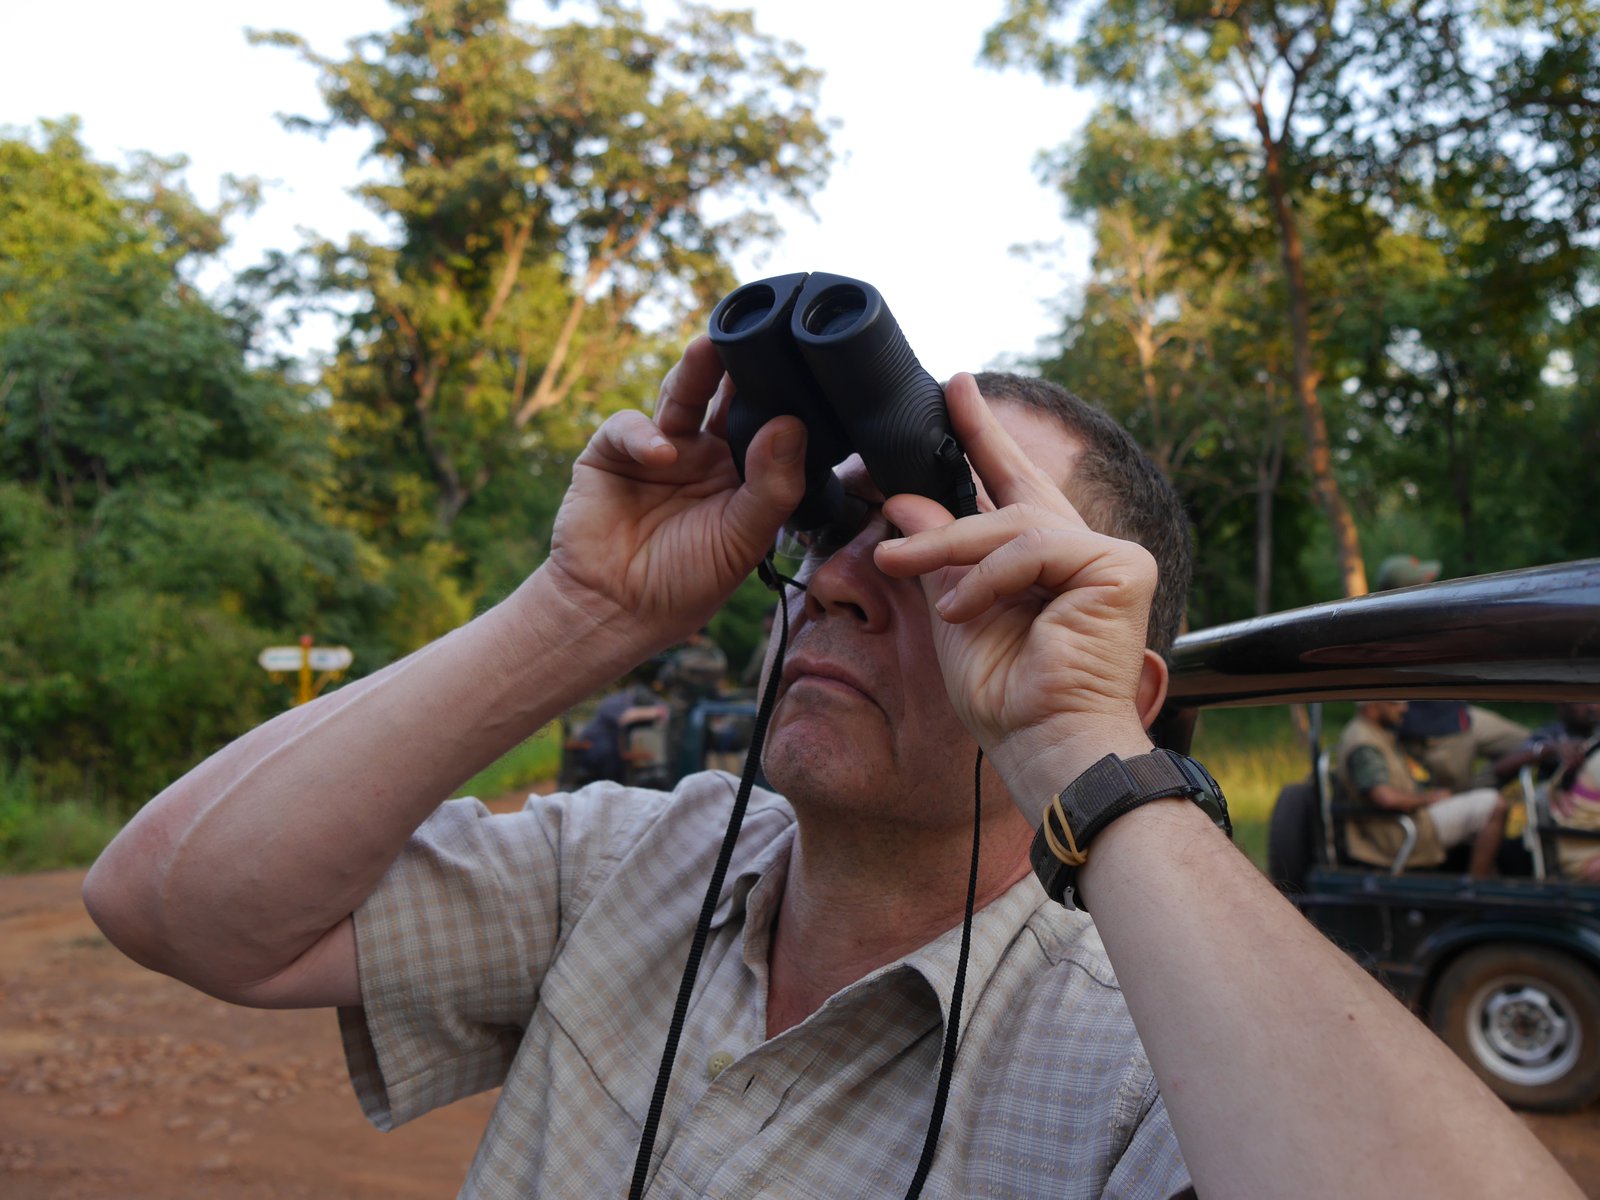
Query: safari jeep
x: 1506, y: 970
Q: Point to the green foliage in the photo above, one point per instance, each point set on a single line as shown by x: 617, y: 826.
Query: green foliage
x: 159, y: 496
x: 108, y: 688
x: 563, y: 201
x: 1380, y: 212
x: 557, y: 193
x: 536, y: 760
x: 36, y: 835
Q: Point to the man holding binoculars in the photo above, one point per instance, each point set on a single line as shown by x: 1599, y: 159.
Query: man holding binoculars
x: 311, y: 862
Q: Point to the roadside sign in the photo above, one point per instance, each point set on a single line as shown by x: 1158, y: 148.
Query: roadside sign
x: 330, y: 658
x: 303, y: 661
x: 322, y: 658
x: 281, y: 658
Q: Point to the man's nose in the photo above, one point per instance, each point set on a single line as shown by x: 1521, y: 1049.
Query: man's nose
x: 848, y: 583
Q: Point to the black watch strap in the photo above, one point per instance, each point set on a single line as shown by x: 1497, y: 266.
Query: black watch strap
x: 1109, y: 789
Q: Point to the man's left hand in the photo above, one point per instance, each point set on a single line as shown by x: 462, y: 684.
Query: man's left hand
x: 1039, y: 622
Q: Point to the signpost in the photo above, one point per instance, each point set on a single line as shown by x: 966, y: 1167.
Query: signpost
x: 303, y: 660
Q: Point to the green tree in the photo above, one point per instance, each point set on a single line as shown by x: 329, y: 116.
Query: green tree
x: 1361, y: 116
x: 555, y: 192
x: 1177, y: 335
x: 159, y: 515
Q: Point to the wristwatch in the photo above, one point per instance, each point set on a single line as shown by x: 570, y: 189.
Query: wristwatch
x: 1109, y: 789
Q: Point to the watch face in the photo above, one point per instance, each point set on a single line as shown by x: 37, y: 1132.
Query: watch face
x: 1209, y: 795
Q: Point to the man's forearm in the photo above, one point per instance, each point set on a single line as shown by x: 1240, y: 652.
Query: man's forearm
x: 242, y: 865
x: 1276, y: 1055
x: 1385, y: 795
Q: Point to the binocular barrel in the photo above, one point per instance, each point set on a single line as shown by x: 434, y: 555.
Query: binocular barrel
x: 826, y: 349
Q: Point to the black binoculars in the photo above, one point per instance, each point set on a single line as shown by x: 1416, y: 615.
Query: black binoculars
x: 826, y: 349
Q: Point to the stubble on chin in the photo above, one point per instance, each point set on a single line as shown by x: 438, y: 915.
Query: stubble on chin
x: 814, y: 757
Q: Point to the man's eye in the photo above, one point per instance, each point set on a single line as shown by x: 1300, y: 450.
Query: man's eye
x: 794, y: 544
x: 831, y: 538
x: 828, y: 539
x: 812, y: 543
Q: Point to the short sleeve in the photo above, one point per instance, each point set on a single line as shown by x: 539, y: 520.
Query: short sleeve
x: 1152, y: 1167
x: 1367, y: 769
x: 455, y: 941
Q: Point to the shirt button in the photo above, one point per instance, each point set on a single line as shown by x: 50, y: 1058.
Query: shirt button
x: 718, y: 1063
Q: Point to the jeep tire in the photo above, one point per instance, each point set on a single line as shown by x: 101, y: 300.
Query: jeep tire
x: 1527, y: 1020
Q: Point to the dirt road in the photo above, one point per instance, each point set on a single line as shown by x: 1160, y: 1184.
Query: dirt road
x: 115, y: 1082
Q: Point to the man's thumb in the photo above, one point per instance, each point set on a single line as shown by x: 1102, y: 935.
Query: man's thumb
x: 775, y: 470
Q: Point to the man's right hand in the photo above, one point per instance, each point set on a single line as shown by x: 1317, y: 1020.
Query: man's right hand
x: 657, y: 528
x: 653, y: 535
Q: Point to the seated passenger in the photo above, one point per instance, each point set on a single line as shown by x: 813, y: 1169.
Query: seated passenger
x: 602, y: 754
x: 1460, y: 744
x: 1554, y: 746
x: 1374, y: 769
x: 1457, y: 742
x: 1575, y: 803
x: 693, y: 672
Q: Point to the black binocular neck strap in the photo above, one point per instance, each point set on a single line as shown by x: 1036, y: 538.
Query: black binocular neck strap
x: 702, y: 930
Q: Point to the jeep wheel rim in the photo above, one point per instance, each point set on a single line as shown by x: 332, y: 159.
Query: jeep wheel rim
x: 1523, y: 1031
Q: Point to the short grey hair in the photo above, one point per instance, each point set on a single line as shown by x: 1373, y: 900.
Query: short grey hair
x: 1119, y: 491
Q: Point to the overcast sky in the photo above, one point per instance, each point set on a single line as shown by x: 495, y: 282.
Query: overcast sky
x: 933, y: 187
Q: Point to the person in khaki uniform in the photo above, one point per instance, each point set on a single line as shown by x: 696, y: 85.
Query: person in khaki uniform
x: 1375, y: 769
x: 693, y: 672
x: 1455, y: 741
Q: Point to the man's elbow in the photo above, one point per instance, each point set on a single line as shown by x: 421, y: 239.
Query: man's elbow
x: 123, y: 896
x: 121, y: 903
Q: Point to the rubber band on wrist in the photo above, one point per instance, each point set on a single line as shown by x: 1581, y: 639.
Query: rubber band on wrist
x: 1067, y: 851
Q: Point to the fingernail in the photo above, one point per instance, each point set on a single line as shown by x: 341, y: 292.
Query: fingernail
x: 788, y: 446
x: 891, y: 543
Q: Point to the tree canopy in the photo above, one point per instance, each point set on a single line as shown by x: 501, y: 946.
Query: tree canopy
x: 160, y: 513
x: 565, y: 199
x: 1390, y: 205
x: 561, y: 203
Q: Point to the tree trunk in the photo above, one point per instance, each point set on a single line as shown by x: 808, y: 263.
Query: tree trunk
x: 1305, y: 377
x: 1269, y: 468
x: 453, y: 494
x: 1459, y: 465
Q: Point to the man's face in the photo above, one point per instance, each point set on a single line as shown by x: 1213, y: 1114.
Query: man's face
x: 863, y: 724
x: 1388, y: 713
x: 1581, y: 718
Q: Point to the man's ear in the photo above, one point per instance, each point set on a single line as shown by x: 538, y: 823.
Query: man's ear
x: 1152, y: 688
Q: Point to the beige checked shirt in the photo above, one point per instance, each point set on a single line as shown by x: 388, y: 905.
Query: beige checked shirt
x: 541, y: 951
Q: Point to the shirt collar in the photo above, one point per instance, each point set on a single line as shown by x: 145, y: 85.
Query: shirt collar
x: 754, y: 894
x: 994, y: 928
x: 770, y: 869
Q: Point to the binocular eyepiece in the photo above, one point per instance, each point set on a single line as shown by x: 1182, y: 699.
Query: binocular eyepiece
x: 826, y: 349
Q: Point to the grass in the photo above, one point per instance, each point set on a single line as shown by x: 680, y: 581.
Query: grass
x: 38, y: 834
x: 1252, y: 753
x: 536, y: 759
